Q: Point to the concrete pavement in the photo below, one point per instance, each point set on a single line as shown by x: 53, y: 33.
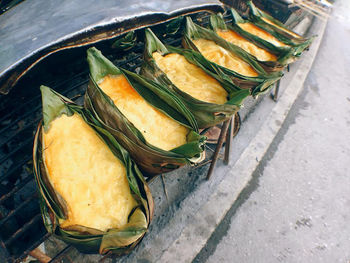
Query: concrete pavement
x: 298, y: 209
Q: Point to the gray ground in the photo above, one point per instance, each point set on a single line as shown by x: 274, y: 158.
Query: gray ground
x: 298, y: 207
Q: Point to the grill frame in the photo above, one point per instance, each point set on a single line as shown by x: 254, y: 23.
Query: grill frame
x: 72, y: 87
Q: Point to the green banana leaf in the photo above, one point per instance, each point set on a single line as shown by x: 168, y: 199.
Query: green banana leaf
x: 257, y: 84
x: 285, y: 54
x: 150, y: 159
x: 53, y: 207
x: 206, y: 114
x: 129, y: 40
x: 299, y: 43
x: 217, y: 22
x: 174, y: 26
x: 170, y: 28
x: 125, y: 42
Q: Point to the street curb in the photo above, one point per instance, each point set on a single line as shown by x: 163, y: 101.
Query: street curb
x: 196, y: 234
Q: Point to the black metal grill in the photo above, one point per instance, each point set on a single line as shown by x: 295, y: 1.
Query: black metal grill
x: 21, y: 226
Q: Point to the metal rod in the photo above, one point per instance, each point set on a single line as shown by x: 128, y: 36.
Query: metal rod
x: 15, y: 211
x: 32, y: 246
x: 26, y: 143
x: 27, y: 126
x: 218, y: 147
x: 151, y: 179
x: 18, y: 166
x: 109, y: 255
x: 210, y: 149
x: 277, y: 88
x: 24, y: 228
x: 205, y: 130
x: 164, y: 188
x: 16, y: 188
x: 61, y: 254
x: 202, y: 164
x: 229, y: 135
x: 15, y: 121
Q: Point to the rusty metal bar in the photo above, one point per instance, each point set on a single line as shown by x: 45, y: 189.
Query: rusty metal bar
x: 204, y: 131
x: 60, y: 255
x: 276, y: 91
x: 33, y: 246
x: 17, y: 149
x: 218, y: 147
x: 164, y: 188
x: 203, y: 163
x: 24, y: 228
x: 229, y: 135
x: 16, y: 188
x: 4, y: 249
x: 15, y: 168
x: 213, y: 151
x: 28, y: 125
x: 15, y: 211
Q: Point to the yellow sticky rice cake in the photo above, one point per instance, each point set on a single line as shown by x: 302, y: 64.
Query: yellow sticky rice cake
x: 217, y: 54
x: 282, y: 28
x: 86, y: 174
x: 251, y: 48
x: 190, y: 78
x: 253, y: 29
x: 157, y: 128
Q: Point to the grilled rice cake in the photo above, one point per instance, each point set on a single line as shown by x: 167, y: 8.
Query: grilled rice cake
x: 253, y: 29
x: 86, y: 174
x: 217, y: 54
x: 157, y: 128
x: 190, y: 78
x: 238, y: 40
x: 282, y: 28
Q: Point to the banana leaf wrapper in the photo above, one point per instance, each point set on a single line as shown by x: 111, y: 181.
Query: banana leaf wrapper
x: 151, y: 160
x: 285, y: 54
x: 217, y: 22
x: 258, y: 84
x: 206, y: 114
x: 297, y: 42
x: 125, y: 42
x: 53, y: 208
x: 171, y: 28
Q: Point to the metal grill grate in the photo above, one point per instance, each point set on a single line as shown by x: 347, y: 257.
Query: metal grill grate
x: 21, y: 226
